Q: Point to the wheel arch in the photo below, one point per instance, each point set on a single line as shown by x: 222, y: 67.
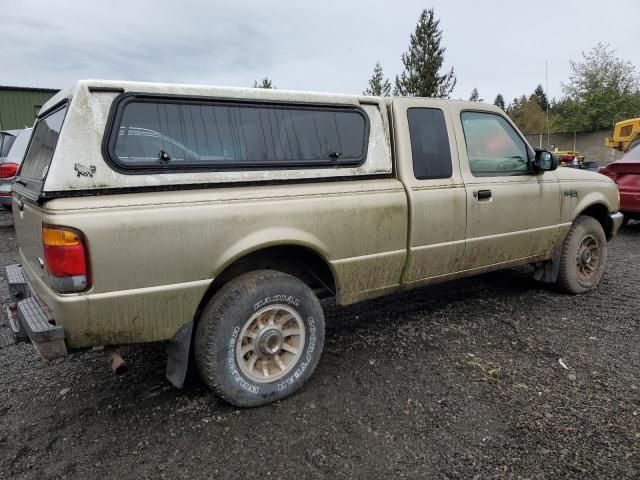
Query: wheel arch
x: 600, y: 212
x: 296, y: 258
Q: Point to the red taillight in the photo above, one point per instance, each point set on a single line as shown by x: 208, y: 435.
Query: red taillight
x: 66, y: 258
x: 8, y: 170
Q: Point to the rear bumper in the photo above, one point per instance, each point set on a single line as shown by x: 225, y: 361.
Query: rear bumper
x: 616, y: 222
x: 29, y: 319
x: 5, y: 195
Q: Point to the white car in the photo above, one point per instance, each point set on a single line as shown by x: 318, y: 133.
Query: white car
x: 13, y: 147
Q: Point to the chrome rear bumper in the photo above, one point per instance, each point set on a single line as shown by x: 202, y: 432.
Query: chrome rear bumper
x: 30, y: 320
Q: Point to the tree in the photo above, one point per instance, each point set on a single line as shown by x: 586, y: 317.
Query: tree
x: 423, y: 61
x: 540, y: 97
x: 264, y: 83
x: 499, y: 101
x: 378, y: 85
x: 529, y: 117
x: 527, y: 114
x: 602, y: 89
x: 475, y: 96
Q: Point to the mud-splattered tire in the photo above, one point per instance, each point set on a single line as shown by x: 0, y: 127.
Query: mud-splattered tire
x: 259, y: 338
x: 584, y: 256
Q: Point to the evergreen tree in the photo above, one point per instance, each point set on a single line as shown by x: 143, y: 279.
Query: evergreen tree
x: 475, y: 96
x: 378, y: 85
x: 515, y: 105
x: 540, y: 97
x: 423, y: 61
x: 499, y: 101
x: 264, y: 83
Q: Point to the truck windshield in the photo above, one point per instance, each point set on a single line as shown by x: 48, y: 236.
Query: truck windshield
x: 43, y: 144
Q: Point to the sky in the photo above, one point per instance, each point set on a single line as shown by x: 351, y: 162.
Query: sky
x: 332, y: 46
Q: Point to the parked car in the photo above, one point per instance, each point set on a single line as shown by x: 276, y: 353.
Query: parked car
x: 214, y: 219
x: 626, y: 173
x: 7, y: 137
x: 10, y: 162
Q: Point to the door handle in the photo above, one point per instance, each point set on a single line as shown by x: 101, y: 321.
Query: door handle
x: 482, y: 194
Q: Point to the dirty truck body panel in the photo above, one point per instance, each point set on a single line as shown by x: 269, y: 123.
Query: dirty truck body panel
x: 172, y: 245
x: 157, y: 239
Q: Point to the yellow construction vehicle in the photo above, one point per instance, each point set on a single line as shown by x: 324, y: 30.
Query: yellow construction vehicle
x: 626, y: 135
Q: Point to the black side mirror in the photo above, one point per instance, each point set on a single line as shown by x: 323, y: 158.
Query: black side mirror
x: 544, y: 161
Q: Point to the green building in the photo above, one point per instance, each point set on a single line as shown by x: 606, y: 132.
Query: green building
x: 20, y: 105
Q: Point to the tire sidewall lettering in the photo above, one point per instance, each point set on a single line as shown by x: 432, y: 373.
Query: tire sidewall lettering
x: 306, y: 359
x: 233, y: 368
x: 284, y: 299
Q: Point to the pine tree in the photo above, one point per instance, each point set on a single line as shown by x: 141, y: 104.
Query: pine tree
x: 499, y: 101
x: 475, y: 96
x: 422, y: 62
x: 540, y: 97
x: 378, y: 85
x: 264, y: 83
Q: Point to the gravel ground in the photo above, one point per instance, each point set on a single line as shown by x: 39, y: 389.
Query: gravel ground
x: 461, y: 380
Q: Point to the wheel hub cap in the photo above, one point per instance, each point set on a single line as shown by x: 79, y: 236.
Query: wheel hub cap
x: 270, y: 343
x: 588, y: 257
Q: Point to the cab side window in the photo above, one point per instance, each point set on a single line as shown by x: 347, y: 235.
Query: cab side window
x: 429, y: 143
x: 493, y: 146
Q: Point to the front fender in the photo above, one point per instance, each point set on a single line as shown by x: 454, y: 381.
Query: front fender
x: 574, y: 204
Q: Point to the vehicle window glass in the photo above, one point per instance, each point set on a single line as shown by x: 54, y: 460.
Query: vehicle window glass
x: 493, y: 146
x: 429, y: 143
x: 5, y: 144
x: 16, y: 153
x: 43, y: 143
x: 632, y: 155
x: 227, y: 135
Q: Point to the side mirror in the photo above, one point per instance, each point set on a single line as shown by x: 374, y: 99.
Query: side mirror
x: 544, y: 161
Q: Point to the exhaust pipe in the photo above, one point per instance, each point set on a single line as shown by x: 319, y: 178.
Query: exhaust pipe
x: 116, y: 362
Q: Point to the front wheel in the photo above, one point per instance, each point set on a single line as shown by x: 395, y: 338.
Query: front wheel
x: 583, y: 257
x: 259, y: 338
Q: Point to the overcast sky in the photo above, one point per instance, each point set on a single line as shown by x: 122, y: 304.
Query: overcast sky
x: 494, y: 45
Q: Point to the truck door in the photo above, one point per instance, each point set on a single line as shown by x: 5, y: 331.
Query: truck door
x: 427, y: 162
x: 512, y: 212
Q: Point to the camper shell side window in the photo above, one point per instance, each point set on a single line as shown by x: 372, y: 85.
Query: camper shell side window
x: 149, y: 133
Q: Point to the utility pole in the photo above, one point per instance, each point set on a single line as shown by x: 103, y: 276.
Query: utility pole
x: 546, y: 76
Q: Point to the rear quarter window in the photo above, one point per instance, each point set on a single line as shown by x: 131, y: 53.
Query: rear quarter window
x: 430, y: 148
x: 43, y: 143
x: 175, y: 134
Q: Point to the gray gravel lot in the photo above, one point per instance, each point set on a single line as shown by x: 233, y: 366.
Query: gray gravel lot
x: 460, y: 380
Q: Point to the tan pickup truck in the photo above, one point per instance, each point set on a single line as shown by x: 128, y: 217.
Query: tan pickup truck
x: 214, y: 219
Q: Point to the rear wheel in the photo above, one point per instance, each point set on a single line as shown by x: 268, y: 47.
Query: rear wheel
x: 259, y: 338
x: 583, y: 257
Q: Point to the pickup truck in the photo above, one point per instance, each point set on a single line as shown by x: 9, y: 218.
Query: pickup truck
x: 214, y: 219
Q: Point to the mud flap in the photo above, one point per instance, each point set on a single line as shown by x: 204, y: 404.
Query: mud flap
x: 548, y: 271
x: 178, y: 355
